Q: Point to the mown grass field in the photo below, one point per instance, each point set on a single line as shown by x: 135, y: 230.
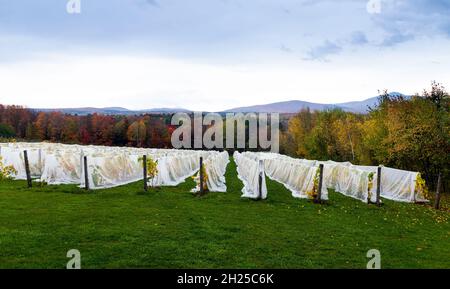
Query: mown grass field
x: 170, y: 228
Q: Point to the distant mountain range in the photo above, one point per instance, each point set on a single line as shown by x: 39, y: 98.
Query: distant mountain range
x: 295, y: 106
x: 112, y: 110
x: 292, y: 106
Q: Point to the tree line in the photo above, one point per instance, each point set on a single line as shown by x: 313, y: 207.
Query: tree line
x: 97, y: 129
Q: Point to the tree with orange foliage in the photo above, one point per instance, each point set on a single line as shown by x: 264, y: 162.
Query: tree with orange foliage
x: 137, y: 133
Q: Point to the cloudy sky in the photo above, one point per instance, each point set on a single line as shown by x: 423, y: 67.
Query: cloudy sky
x: 218, y: 54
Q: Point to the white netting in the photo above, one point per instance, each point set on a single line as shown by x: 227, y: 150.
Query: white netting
x: 108, y: 170
x: 397, y: 185
x: 62, y: 167
x: 215, y: 167
x: 359, y: 182
x: 296, y: 175
x: 110, y: 166
x: 174, y: 169
x: 249, y: 172
x: 349, y: 180
x: 14, y: 156
x: 113, y: 166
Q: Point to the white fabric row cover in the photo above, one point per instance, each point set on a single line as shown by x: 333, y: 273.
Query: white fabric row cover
x: 15, y: 157
x: 111, y: 170
x: 359, y: 182
x: 118, y: 169
x: 350, y: 180
x: 249, y: 171
x: 46, y: 159
x: 63, y: 164
x: 107, y: 166
x: 397, y: 185
x: 301, y: 178
x: 296, y: 175
x: 215, y: 167
x: 62, y: 167
x: 353, y: 181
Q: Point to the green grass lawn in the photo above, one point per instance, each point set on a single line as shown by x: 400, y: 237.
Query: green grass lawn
x: 170, y: 228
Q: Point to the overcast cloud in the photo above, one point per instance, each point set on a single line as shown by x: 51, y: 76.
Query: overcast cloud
x: 217, y: 54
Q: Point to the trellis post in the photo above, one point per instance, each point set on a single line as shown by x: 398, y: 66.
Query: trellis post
x: 40, y: 162
x: 378, y: 186
x: 86, y: 177
x: 27, y: 168
x: 202, y: 191
x: 438, y: 193
x: 144, y: 165
x: 319, y: 193
x: 260, y: 181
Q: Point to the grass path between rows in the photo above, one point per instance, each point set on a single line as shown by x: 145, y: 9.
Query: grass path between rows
x: 170, y: 228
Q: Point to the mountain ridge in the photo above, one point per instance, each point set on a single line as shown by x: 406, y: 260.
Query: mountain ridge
x: 288, y: 107
x: 294, y: 106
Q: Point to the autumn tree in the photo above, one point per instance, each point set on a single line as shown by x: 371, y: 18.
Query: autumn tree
x: 6, y: 131
x: 119, y: 133
x: 31, y: 132
x: 102, y: 127
x: 332, y: 134
x: 55, y: 125
x: 299, y: 129
x: 157, y: 133
x: 137, y: 133
x: 70, y: 130
x: 42, y: 125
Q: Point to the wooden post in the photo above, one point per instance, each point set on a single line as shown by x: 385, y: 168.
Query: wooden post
x: 144, y: 165
x: 86, y: 178
x: 438, y: 193
x: 40, y: 162
x: 319, y: 193
x: 27, y: 168
x: 201, y: 176
x: 378, y: 186
x: 260, y: 181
